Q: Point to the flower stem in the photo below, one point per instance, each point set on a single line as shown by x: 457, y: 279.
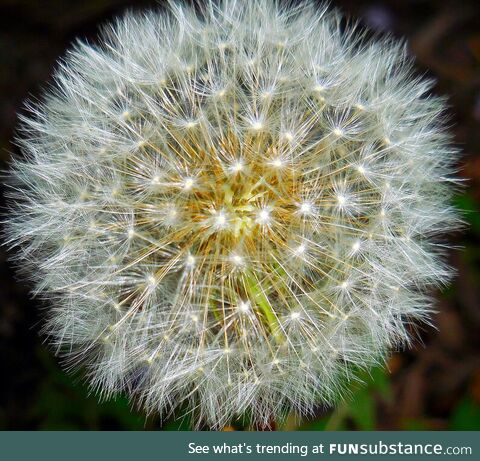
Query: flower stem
x: 261, y: 300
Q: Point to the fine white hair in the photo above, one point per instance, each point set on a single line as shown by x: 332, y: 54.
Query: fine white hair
x: 233, y: 210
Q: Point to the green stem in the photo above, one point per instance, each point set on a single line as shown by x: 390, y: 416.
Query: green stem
x: 261, y: 300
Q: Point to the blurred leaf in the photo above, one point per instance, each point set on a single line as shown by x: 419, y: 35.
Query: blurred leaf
x: 362, y: 409
x: 466, y: 416
x: 379, y: 380
x: 470, y: 210
x: 63, y: 404
x: 182, y: 423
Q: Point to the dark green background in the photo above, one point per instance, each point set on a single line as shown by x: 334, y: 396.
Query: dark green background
x: 436, y: 385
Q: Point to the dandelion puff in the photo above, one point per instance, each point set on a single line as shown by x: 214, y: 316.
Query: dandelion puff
x: 231, y: 210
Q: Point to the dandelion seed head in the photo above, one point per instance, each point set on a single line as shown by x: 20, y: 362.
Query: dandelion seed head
x: 190, y: 261
x: 300, y: 249
x: 338, y: 132
x: 244, y: 306
x: 277, y: 163
x: 257, y: 125
x: 361, y: 169
x: 263, y: 216
x: 188, y: 183
x: 219, y: 222
x: 306, y: 208
x: 237, y: 260
x: 237, y: 166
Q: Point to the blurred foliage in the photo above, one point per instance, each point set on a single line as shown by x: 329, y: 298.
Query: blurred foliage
x: 359, y: 410
x: 466, y: 416
x: 470, y: 211
x: 63, y: 403
x: 434, y: 385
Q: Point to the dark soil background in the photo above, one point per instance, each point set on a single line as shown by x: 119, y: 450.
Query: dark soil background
x: 434, y: 386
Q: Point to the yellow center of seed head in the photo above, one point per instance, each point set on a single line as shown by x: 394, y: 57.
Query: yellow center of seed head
x: 238, y: 218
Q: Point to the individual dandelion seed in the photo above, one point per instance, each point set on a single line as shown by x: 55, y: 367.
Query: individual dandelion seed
x: 232, y: 210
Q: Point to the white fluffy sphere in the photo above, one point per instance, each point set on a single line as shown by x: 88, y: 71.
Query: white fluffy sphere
x: 232, y: 210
